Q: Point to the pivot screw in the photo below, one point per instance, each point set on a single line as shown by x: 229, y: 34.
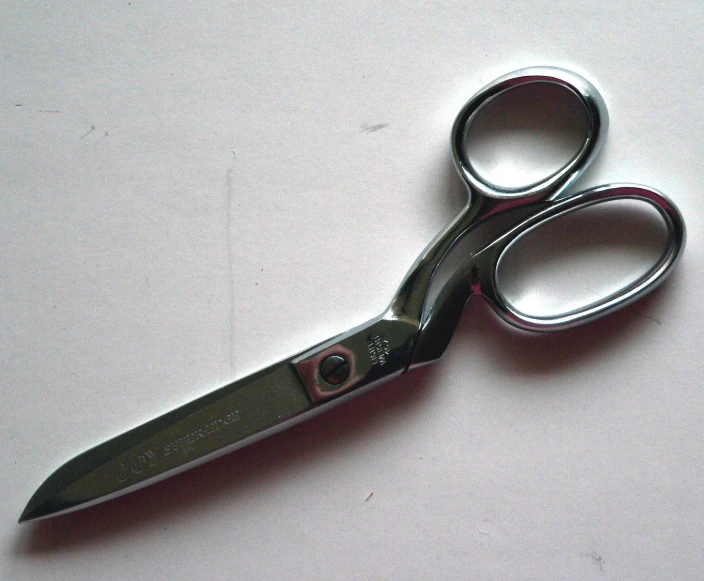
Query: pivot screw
x: 334, y: 369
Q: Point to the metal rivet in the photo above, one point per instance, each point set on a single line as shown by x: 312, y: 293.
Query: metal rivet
x: 334, y: 369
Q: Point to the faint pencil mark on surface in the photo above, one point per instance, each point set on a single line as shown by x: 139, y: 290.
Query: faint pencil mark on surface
x: 364, y: 128
x: 87, y: 133
x: 231, y: 270
x: 642, y: 316
x: 49, y: 111
x: 597, y: 560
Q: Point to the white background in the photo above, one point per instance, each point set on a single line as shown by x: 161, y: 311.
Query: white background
x: 188, y: 193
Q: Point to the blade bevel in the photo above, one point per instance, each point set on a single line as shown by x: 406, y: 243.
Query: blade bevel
x: 212, y: 425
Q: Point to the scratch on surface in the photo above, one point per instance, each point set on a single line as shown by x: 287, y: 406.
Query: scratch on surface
x: 368, y: 497
x: 231, y: 270
x: 597, y: 559
x: 364, y: 128
x: 87, y: 133
x: 649, y: 318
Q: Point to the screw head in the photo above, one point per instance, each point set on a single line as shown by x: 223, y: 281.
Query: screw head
x: 334, y: 369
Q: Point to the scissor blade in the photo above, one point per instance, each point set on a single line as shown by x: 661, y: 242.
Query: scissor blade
x: 215, y: 424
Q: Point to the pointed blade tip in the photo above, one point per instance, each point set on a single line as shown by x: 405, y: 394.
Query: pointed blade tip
x: 39, y: 507
x: 27, y: 515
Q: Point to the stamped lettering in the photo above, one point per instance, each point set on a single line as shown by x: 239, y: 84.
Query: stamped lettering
x: 378, y: 350
x: 151, y: 458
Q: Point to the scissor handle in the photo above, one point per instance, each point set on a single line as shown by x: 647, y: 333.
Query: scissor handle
x: 554, y: 184
x: 478, y: 275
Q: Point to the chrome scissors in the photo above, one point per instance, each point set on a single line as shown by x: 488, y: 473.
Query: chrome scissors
x: 414, y: 330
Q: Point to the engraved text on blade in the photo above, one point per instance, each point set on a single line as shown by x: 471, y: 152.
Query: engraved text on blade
x: 150, y: 458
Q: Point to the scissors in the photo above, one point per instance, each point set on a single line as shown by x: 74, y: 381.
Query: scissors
x: 413, y: 331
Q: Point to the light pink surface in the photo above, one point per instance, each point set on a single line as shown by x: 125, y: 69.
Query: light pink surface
x: 191, y: 192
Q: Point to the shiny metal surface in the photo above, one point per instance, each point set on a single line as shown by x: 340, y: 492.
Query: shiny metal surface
x: 413, y: 331
x: 552, y: 185
x: 201, y: 430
